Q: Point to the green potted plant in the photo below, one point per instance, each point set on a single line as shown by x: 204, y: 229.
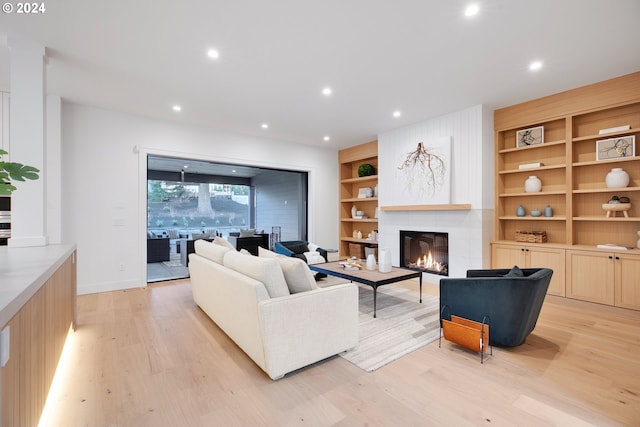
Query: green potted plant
x: 366, y: 169
x: 11, y: 171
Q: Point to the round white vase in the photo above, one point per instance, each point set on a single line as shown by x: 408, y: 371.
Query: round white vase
x: 617, y: 178
x: 532, y: 184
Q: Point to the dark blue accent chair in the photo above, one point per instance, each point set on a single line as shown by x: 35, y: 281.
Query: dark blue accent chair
x: 512, y: 304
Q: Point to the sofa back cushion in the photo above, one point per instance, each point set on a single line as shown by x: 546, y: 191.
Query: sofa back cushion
x: 210, y: 251
x: 265, y: 270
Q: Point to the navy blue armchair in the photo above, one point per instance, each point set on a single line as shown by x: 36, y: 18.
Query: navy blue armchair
x: 512, y: 304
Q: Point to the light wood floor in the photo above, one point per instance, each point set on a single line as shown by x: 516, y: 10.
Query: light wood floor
x: 150, y: 357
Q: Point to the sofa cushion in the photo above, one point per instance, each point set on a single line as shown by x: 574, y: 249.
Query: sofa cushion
x: 197, y: 236
x: 266, y: 253
x: 210, y: 251
x: 223, y: 242
x: 297, y: 274
x: 265, y: 270
x: 515, y: 272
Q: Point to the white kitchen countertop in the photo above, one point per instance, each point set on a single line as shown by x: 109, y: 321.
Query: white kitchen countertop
x: 23, y: 271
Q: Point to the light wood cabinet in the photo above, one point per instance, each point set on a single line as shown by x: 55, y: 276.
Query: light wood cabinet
x: 573, y: 184
x: 627, y: 281
x: 506, y: 255
x: 605, y: 277
x: 350, y: 184
x: 590, y: 276
x: 37, y: 335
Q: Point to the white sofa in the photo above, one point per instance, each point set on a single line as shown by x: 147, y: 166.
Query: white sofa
x: 249, y: 299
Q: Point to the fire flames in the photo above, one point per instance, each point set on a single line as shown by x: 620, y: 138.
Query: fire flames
x: 429, y: 263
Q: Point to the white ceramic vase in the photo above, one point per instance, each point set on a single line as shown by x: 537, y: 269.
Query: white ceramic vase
x: 638, y: 242
x: 384, y: 262
x: 532, y: 184
x: 371, y: 262
x: 617, y: 178
x: 353, y: 211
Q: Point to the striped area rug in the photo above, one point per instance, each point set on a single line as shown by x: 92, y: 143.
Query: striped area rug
x: 402, y: 325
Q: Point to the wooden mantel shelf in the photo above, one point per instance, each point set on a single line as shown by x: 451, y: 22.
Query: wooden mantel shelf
x: 449, y: 207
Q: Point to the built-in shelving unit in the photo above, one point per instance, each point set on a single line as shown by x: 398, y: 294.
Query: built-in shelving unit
x: 573, y: 184
x: 350, y: 184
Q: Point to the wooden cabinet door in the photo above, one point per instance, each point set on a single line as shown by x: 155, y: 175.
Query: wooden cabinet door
x: 627, y: 281
x: 553, y: 258
x: 590, y: 276
x: 506, y: 256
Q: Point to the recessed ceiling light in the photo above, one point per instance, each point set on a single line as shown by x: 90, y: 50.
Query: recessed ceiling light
x: 265, y: 126
x: 177, y: 108
x: 535, y: 65
x: 326, y: 91
x: 212, y: 53
x: 471, y: 10
x: 233, y: 171
x: 326, y: 138
x: 397, y: 113
x: 186, y: 166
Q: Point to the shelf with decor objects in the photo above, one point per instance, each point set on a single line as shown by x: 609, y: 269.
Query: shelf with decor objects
x: 580, y: 143
x: 603, y: 149
x: 517, y: 165
x: 358, y: 198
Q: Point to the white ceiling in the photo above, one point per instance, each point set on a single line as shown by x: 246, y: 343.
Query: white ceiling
x: 422, y: 57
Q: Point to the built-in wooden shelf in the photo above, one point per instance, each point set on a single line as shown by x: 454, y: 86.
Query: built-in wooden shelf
x: 539, y: 193
x: 359, y: 179
x: 534, y: 218
x: 444, y: 207
x: 531, y: 147
x: 354, y: 240
x: 359, y: 219
x: 360, y: 199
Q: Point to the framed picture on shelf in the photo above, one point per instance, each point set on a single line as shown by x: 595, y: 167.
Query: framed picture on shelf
x: 529, y: 137
x: 615, y: 148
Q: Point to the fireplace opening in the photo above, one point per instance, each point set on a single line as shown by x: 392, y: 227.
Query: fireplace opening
x: 425, y: 251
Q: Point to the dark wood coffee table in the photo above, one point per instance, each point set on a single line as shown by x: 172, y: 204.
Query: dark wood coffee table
x: 372, y: 278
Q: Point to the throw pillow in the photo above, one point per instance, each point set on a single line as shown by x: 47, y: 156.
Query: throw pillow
x: 515, y: 272
x: 247, y: 233
x: 264, y: 270
x: 197, y: 236
x: 245, y: 252
x: 223, y: 242
x: 210, y: 251
x: 298, y: 276
x: 266, y: 253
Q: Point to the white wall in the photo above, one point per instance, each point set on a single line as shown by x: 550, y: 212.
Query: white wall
x: 104, y: 185
x: 470, y: 232
x: 279, y: 195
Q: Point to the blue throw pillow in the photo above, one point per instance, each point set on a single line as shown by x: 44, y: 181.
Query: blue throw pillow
x: 515, y: 272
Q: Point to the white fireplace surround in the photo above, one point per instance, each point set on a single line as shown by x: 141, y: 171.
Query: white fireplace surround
x: 470, y: 231
x: 468, y: 245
